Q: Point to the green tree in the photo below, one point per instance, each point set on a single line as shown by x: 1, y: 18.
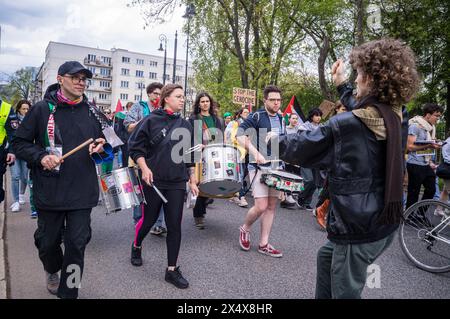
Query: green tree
x: 19, y: 86
x: 424, y: 26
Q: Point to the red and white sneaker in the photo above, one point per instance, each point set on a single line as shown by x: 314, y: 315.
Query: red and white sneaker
x: 270, y: 251
x: 244, y: 239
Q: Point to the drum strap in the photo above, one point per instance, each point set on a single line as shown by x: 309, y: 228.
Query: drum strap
x: 251, y: 183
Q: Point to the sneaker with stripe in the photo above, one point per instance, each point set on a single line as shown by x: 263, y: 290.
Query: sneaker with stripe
x: 270, y: 251
x: 244, y: 239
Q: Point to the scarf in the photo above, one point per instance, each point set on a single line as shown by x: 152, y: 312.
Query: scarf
x: 62, y: 99
x: 430, y: 129
x: 393, y: 192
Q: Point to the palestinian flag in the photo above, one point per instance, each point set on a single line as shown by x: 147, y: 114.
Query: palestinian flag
x: 294, y: 107
x: 119, y: 111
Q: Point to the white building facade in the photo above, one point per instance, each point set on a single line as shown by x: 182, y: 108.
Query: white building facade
x: 118, y: 74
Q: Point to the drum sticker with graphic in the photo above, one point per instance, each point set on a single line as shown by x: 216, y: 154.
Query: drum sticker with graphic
x: 217, y: 165
x: 214, y: 154
x: 127, y: 187
x: 231, y: 165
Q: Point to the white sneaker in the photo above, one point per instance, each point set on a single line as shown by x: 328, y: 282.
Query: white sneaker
x: 235, y: 200
x: 290, y: 199
x: 21, y: 199
x: 15, y: 207
x: 243, y: 202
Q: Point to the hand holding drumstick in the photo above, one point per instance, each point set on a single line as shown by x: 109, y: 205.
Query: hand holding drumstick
x: 50, y: 162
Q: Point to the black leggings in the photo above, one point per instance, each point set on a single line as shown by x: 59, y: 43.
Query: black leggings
x: 173, y: 212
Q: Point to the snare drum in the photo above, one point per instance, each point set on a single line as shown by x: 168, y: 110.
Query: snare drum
x: 219, y: 176
x: 282, y: 181
x: 121, y: 189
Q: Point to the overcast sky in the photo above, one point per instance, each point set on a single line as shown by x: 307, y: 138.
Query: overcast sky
x: 29, y: 25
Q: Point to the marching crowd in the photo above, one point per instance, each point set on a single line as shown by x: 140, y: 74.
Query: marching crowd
x: 355, y: 159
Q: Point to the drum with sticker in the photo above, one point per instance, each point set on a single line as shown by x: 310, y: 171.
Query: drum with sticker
x: 121, y: 189
x: 220, y: 171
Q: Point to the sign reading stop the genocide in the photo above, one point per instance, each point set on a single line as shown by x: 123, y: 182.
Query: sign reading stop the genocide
x: 244, y: 96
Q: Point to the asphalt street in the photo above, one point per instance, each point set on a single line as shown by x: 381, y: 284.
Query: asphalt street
x: 210, y: 259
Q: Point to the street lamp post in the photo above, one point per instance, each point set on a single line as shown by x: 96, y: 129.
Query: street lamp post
x: 162, y: 38
x: 190, y: 12
x: 175, y: 57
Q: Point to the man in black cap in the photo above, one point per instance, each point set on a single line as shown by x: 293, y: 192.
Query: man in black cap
x: 65, y: 191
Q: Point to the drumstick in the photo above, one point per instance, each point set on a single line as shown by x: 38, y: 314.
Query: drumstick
x: 160, y: 194
x: 79, y: 147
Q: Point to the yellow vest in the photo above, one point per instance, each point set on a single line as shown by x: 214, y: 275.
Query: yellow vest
x: 5, y: 108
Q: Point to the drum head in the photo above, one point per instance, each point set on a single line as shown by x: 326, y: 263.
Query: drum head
x: 220, y: 187
x: 286, y: 175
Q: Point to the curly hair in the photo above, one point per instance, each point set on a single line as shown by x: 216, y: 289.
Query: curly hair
x: 391, y: 64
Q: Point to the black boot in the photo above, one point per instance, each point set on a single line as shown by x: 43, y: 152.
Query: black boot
x: 136, y: 259
x: 176, y: 278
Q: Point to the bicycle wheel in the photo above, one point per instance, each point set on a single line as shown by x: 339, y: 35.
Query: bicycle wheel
x: 425, y: 235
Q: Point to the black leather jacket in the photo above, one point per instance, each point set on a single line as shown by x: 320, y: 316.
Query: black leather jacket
x: 355, y: 162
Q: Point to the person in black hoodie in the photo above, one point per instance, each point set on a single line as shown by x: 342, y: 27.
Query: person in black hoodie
x: 65, y: 191
x: 153, y: 147
x: 362, y: 152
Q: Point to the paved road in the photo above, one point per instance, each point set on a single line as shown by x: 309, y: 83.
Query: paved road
x: 210, y: 259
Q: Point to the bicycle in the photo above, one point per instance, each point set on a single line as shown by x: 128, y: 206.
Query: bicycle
x: 425, y: 235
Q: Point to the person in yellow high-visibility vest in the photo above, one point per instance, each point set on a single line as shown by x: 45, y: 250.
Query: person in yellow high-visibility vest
x: 8, y: 125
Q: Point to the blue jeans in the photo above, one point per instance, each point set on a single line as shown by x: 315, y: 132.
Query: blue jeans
x: 19, y: 176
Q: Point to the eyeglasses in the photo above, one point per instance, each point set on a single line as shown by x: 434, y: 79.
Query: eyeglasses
x: 77, y: 79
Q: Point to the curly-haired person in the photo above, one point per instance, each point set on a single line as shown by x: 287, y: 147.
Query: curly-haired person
x: 362, y: 152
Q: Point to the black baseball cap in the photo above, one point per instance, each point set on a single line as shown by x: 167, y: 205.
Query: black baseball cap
x: 74, y: 67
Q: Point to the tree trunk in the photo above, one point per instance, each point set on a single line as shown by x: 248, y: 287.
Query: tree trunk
x: 321, y: 67
x: 360, y: 19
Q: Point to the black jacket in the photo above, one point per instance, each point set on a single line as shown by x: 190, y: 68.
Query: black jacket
x: 355, y: 161
x: 148, y: 141
x: 75, y: 186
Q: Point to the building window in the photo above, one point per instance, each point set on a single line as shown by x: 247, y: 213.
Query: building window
x: 106, y: 60
x: 167, y: 77
x: 92, y: 69
x: 124, y: 84
x: 139, y: 74
x: 139, y: 61
x: 90, y: 82
x: 103, y: 96
x: 178, y: 79
x: 153, y: 75
x: 153, y: 63
x: 105, y: 84
x: 91, y: 57
x: 125, y: 59
x: 105, y: 72
x: 137, y: 98
x: 140, y: 85
x: 179, y: 68
x: 125, y: 71
x: 124, y: 96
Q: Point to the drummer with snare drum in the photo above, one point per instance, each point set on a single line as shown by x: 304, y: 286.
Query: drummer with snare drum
x: 252, y: 134
x: 208, y: 129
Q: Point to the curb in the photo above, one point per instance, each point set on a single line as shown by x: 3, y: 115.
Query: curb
x: 3, y: 281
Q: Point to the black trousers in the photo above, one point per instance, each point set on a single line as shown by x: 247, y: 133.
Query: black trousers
x: 419, y: 175
x: 200, y: 206
x: 173, y: 213
x: 77, y: 235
